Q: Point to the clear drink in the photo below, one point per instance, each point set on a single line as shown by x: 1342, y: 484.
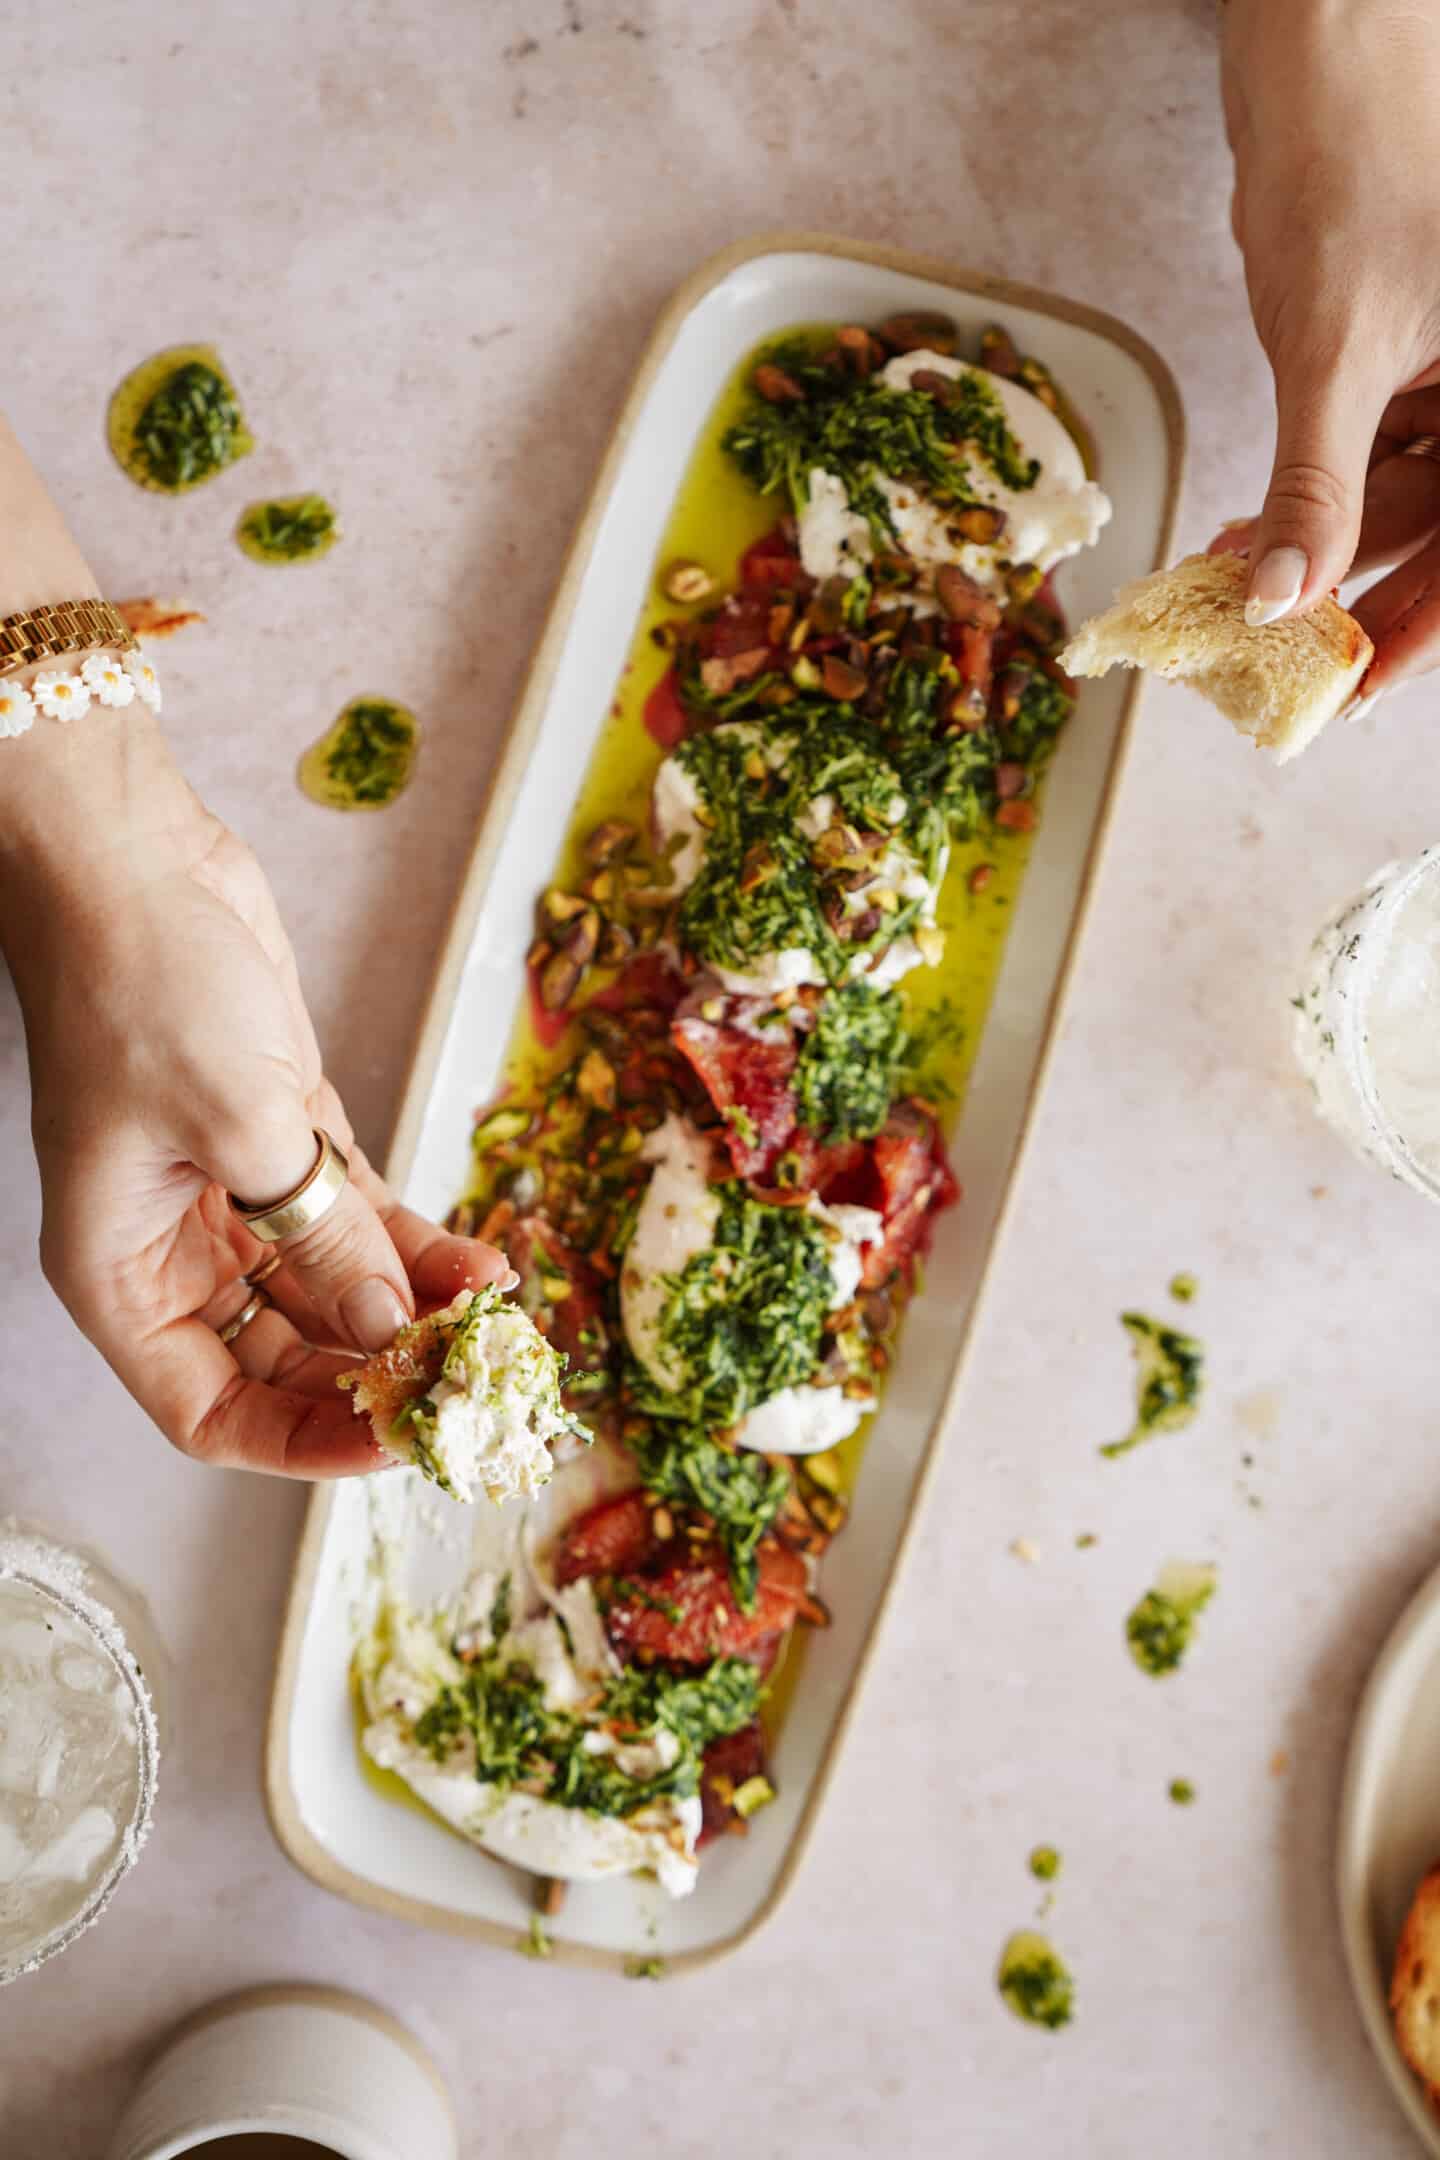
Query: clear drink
x: 1367, y: 1025
x: 79, y: 1749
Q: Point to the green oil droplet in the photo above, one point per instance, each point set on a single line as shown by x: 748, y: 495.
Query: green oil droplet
x: 175, y: 420
x: 1035, y: 1982
x: 288, y: 529
x: 365, y: 760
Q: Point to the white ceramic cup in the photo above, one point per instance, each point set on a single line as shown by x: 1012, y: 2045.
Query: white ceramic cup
x: 294, y: 2062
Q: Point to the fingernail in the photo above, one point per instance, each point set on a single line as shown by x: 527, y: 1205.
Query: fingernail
x: 508, y: 1281
x: 1275, y: 586
x: 373, y: 1313
x: 1358, y: 707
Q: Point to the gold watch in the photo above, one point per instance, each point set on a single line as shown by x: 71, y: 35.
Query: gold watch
x: 69, y: 629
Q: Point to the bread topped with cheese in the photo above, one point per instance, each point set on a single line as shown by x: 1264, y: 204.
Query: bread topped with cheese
x: 1278, y: 685
x: 471, y: 1395
x: 1415, y: 1986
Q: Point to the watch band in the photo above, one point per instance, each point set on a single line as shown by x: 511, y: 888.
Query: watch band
x: 53, y: 633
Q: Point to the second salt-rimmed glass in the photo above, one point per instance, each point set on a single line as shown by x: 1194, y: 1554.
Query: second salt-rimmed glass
x: 1336, y: 1009
x: 64, y: 1652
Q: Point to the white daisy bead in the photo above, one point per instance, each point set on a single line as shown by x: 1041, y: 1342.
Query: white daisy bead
x: 106, y: 680
x: 61, y: 697
x: 140, y: 672
x: 17, y: 709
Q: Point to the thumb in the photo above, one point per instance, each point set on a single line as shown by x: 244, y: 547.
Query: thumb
x: 1307, y: 533
x: 346, y: 1261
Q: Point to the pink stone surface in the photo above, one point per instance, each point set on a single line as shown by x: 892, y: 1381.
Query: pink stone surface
x: 430, y: 242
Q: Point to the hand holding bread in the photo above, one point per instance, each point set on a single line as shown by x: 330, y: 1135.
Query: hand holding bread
x: 1278, y: 684
x: 1333, y: 113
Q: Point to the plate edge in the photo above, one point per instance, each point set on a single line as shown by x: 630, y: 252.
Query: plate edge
x: 1350, y: 1884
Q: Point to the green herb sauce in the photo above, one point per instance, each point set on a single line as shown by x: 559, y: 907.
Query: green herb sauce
x: 499, y: 1706
x: 845, y: 1074
x: 765, y: 883
x: 1161, y: 1626
x: 1169, y: 1377
x: 176, y: 421
x: 1182, y: 1792
x: 756, y: 891
x: 857, y: 430
x: 741, y: 1493
x: 365, y: 760
x: 1183, y: 1288
x: 1035, y: 1981
x: 289, y: 529
x: 743, y: 1319
x: 1045, y: 1863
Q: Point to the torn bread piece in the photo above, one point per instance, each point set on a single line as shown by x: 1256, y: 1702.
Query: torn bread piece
x: 1278, y: 685
x: 1415, y: 1986
x: 158, y: 618
x: 471, y: 1396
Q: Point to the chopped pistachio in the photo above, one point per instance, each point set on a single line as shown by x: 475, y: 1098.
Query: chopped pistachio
x: 687, y: 582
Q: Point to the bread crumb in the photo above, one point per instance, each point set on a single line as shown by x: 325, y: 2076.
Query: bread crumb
x: 153, y: 618
x: 1025, y: 1549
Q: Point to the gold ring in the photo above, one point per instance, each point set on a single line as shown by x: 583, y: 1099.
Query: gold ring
x: 1423, y: 446
x: 266, y: 1269
x: 313, y: 1197
x: 242, y: 1319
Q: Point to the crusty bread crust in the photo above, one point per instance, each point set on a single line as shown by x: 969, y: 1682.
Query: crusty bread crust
x: 1415, y: 1986
x: 394, y: 1377
x: 1278, y: 685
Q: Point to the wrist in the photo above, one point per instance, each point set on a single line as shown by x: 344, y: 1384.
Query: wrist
x: 90, y: 805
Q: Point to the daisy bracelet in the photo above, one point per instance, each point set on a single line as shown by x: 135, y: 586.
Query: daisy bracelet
x: 60, y: 693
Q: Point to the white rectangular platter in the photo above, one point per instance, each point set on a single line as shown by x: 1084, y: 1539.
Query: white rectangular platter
x: 331, y: 1821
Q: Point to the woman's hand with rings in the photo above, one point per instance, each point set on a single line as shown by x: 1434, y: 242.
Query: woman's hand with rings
x: 1333, y: 112
x: 173, y: 1064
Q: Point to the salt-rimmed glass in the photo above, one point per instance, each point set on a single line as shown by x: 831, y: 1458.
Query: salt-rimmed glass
x: 79, y: 1743
x: 1353, y: 959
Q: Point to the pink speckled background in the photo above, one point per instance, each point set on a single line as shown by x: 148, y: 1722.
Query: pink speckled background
x: 430, y: 241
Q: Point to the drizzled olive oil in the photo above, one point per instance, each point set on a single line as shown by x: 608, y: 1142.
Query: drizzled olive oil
x: 388, y: 1783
